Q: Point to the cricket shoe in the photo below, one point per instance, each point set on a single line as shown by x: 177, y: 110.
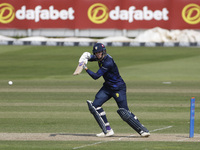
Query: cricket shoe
x: 145, y: 134
x: 108, y: 134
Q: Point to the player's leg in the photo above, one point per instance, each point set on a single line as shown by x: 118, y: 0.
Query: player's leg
x: 132, y: 120
x: 126, y: 115
x: 99, y: 114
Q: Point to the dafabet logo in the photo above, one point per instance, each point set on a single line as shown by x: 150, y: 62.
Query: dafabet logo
x: 7, y: 13
x: 99, y: 13
x: 191, y: 13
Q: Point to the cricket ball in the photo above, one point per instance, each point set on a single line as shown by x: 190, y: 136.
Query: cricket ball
x: 10, y: 82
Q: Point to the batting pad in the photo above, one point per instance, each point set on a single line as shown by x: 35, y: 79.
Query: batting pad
x: 132, y: 120
x: 97, y: 116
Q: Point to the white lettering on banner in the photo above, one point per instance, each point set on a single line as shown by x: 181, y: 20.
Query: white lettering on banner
x: 38, y: 14
x: 132, y: 14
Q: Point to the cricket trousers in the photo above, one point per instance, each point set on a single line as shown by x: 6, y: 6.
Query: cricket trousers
x: 105, y: 93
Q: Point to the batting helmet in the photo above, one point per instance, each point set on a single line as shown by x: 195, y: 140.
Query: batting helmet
x: 99, y: 47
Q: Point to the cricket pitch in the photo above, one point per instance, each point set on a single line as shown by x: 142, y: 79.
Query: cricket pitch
x: 92, y: 137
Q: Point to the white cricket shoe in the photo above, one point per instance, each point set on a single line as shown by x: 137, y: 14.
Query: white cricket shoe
x: 145, y: 134
x: 109, y: 133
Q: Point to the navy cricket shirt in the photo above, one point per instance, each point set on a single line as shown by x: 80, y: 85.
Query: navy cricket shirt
x: 109, y: 70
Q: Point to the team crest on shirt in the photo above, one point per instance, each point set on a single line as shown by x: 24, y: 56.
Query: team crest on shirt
x: 117, y: 95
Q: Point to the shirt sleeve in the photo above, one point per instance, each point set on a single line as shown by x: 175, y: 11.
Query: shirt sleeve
x: 102, y: 70
x: 98, y: 74
x: 92, y: 58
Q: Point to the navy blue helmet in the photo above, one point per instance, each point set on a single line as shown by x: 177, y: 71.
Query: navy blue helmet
x: 99, y: 47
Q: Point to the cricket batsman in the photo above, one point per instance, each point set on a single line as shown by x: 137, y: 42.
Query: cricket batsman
x: 114, y: 86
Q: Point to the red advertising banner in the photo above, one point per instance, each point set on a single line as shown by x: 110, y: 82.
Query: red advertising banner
x: 102, y: 14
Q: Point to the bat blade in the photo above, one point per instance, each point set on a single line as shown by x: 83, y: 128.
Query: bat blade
x: 79, y: 69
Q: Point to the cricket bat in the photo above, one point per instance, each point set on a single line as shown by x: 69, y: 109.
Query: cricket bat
x: 79, y: 69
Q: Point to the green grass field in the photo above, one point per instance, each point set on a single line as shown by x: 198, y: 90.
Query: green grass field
x: 47, y: 98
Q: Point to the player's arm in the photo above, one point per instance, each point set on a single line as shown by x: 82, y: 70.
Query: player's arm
x: 96, y: 75
x: 92, y: 58
x: 102, y: 70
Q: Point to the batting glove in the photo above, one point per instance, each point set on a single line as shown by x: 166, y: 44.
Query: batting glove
x: 84, y: 57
